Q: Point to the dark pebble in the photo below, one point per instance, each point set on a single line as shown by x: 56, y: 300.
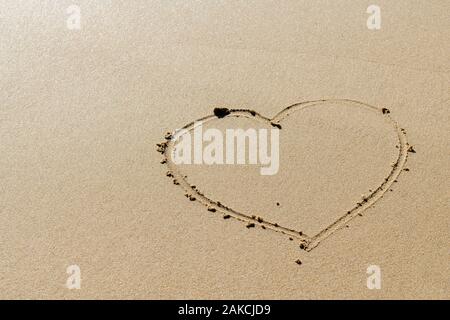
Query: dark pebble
x: 221, y: 112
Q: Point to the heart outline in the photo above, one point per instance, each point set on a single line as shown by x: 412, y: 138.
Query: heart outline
x: 306, y: 242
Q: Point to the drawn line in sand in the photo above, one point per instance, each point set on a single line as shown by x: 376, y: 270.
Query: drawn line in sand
x: 305, y: 242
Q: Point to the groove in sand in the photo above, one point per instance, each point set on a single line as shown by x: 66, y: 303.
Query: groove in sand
x: 306, y: 242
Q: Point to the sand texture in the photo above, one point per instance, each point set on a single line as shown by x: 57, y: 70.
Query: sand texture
x: 364, y: 150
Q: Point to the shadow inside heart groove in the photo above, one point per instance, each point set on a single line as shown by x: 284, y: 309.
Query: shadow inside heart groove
x: 337, y: 158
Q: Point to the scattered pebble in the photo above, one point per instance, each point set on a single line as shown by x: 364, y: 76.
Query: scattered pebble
x: 221, y: 112
x: 161, y: 147
x: 385, y: 111
x: 227, y: 216
x: 168, y: 136
x: 411, y: 149
x: 276, y: 125
x: 250, y: 225
x: 212, y: 209
x: 298, y: 261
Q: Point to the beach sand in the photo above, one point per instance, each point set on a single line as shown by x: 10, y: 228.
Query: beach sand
x: 82, y: 183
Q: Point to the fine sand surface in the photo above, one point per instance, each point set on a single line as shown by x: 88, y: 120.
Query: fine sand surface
x: 82, y: 183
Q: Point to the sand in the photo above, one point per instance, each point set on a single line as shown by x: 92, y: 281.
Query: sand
x: 82, y: 183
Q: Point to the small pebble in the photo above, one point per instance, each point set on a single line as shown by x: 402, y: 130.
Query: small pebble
x: 221, y: 112
x: 411, y: 149
x: 168, y: 136
x: 276, y: 125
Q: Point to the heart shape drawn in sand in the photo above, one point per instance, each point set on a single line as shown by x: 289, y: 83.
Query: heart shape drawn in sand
x: 306, y: 242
